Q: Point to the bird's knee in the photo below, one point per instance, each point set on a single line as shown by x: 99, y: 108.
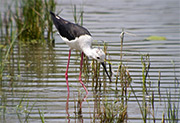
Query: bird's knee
x: 66, y: 75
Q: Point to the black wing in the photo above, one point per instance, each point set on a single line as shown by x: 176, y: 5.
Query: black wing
x: 67, y: 29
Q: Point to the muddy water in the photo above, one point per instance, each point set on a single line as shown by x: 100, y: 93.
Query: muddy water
x: 34, y: 79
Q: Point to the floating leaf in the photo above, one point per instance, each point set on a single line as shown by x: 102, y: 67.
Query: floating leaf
x: 155, y: 38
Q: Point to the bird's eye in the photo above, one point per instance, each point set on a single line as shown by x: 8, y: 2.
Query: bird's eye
x: 98, y: 57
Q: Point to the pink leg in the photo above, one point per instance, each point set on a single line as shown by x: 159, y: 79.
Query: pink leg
x: 66, y: 74
x: 82, y: 54
x: 67, y: 108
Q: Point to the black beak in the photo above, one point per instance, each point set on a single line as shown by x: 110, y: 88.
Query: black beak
x: 106, y: 70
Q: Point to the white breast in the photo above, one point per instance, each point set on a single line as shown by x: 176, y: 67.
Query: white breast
x: 79, y: 43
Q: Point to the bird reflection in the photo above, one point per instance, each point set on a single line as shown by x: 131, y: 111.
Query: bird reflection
x: 78, y: 108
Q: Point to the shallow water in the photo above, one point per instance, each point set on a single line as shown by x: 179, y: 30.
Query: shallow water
x: 35, y: 74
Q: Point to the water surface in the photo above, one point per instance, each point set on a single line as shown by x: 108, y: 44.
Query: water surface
x: 34, y: 75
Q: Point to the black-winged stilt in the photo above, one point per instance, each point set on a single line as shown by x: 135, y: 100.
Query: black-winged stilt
x: 78, y: 38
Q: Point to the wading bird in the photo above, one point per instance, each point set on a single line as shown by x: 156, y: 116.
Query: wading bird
x: 78, y: 38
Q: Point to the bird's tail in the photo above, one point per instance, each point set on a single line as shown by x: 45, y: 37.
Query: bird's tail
x: 58, y: 21
x: 52, y: 14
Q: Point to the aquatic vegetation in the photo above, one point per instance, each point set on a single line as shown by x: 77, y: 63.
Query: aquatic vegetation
x: 116, y: 111
x: 31, y: 18
x: 30, y: 23
x: 8, y: 46
x: 76, y: 18
x: 145, y: 70
x: 172, y: 110
x: 155, y: 38
x: 113, y: 112
x: 110, y: 101
x: 41, y: 114
x: 34, y: 15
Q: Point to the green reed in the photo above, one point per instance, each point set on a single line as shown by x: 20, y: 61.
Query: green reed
x: 172, y: 110
x: 1, y: 28
x: 76, y: 18
x: 24, y: 107
x: 8, y: 37
x: 145, y: 109
x: 41, y: 114
x: 1, y: 46
x: 30, y: 22
x: 145, y: 70
x: 49, y: 5
x: 125, y: 79
x: 34, y: 15
x: 113, y: 112
x: 3, y: 107
x: 5, y: 55
x: 109, y: 111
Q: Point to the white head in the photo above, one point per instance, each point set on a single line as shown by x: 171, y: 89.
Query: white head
x: 98, y: 54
